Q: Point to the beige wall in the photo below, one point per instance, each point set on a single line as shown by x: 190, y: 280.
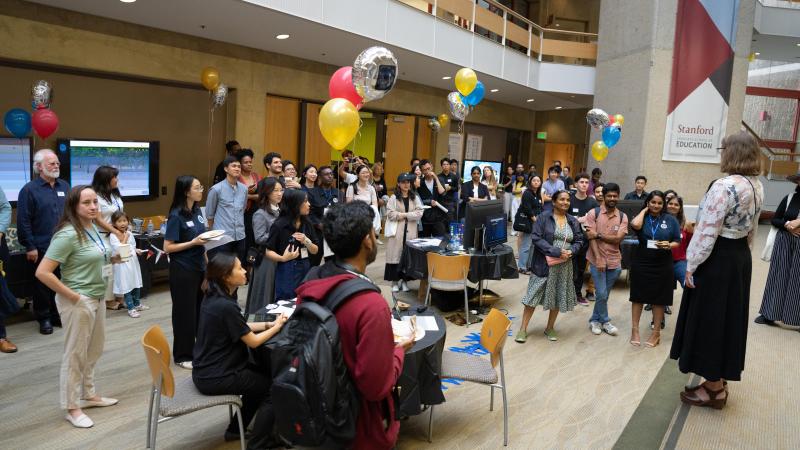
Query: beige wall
x: 566, y: 126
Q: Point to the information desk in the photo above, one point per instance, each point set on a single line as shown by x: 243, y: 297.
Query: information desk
x: 494, y: 265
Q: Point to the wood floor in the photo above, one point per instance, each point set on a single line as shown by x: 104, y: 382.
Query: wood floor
x: 578, y: 392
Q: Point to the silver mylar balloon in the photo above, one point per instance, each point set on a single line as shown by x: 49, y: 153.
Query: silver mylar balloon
x: 435, y: 125
x: 597, y: 118
x: 219, y: 96
x: 457, y: 108
x: 374, y: 73
x: 41, y: 91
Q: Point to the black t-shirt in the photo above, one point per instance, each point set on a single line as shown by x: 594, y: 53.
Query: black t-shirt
x: 579, y: 208
x: 281, y: 233
x: 567, y: 182
x: 218, y: 349
x: 181, y: 228
x: 451, y: 179
x: 321, y: 198
x: 510, y: 180
x: 380, y: 186
x: 219, y: 173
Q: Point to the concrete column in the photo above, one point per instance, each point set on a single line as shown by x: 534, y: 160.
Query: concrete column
x: 634, y: 70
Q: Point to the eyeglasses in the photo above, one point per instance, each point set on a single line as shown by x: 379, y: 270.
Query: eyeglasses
x: 720, y: 149
x: 199, y: 189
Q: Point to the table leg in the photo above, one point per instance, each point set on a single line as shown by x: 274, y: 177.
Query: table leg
x: 423, y: 289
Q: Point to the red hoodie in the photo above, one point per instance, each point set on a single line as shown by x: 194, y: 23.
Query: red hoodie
x: 373, y: 361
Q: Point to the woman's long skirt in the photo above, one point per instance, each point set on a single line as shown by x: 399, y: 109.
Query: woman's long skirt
x: 781, y: 299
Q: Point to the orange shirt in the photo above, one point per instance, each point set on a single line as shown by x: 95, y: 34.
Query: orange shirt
x: 607, y: 255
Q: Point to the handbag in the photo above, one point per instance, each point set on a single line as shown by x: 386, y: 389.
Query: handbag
x: 522, y: 222
x: 390, y: 228
x: 766, y: 254
x: 254, y: 255
x: 556, y: 260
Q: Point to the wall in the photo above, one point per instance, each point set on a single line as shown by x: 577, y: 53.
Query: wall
x: 364, y: 142
x: 106, y: 108
x: 494, y: 141
x: 566, y: 126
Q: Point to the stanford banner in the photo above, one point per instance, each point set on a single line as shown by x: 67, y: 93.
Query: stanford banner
x: 705, y: 34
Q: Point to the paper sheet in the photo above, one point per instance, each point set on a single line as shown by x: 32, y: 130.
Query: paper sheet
x: 283, y: 310
x: 427, y: 323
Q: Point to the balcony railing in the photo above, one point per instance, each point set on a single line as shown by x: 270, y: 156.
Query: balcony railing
x: 496, y: 22
x: 775, y: 165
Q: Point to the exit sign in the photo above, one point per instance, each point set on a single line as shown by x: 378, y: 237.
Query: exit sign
x: 541, y: 135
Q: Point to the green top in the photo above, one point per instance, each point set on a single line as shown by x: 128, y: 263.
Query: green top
x: 81, y: 262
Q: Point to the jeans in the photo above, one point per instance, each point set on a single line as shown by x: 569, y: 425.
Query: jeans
x: 132, y: 299
x: 288, y: 277
x: 526, y: 242
x: 603, y: 283
x: 679, y: 269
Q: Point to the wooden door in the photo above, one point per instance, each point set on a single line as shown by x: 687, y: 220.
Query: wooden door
x: 316, y: 148
x: 282, y: 133
x: 424, y: 140
x: 399, y: 147
x: 562, y: 152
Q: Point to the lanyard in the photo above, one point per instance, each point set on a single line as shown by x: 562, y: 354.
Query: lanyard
x: 116, y: 202
x: 653, y: 226
x: 99, y: 242
x: 328, y: 193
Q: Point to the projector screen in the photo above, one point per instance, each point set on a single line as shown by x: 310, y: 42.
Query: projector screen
x: 15, y: 165
x: 469, y: 164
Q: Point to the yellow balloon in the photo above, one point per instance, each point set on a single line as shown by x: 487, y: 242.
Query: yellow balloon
x: 339, y: 122
x: 599, y: 150
x: 620, y: 119
x: 443, y: 120
x: 466, y: 80
x: 210, y: 78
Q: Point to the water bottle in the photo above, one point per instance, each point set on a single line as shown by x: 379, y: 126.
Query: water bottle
x: 149, y: 227
x: 163, y: 229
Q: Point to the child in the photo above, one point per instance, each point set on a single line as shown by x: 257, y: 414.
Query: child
x: 127, y: 276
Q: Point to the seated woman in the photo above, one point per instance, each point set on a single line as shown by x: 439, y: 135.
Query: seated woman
x: 220, y: 363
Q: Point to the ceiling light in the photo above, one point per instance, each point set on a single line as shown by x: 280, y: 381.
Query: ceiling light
x: 495, y: 90
x: 758, y: 53
x: 558, y: 25
x: 798, y: 44
x: 446, y: 78
x: 127, y: 1
x: 559, y: 107
x: 571, y: 96
x: 529, y: 100
x: 282, y: 36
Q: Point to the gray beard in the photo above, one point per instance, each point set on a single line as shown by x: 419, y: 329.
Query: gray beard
x: 53, y: 174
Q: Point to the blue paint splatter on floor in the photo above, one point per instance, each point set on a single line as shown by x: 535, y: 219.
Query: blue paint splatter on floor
x: 471, y: 345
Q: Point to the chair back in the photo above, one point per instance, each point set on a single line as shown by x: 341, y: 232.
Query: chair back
x: 494, y: 332
x: 156, y: 349
x: 447, y: 268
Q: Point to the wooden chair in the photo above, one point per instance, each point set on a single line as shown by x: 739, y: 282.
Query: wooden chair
x: 481, y: 370
x: 448, y: 273
x: 168, y: 399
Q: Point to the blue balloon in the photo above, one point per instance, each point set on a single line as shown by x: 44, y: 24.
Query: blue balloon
x: 475, y: 96
x: 18, y: 122
x: 611, y: 136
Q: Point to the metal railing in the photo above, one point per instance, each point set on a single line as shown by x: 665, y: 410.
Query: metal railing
x: 513, y: 30
x: 774, y: 164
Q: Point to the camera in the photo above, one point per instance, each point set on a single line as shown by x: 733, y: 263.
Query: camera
x: 294, y: 243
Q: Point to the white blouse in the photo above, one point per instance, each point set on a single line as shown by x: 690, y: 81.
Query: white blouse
x: 729, y: 209
x: 108, y: 208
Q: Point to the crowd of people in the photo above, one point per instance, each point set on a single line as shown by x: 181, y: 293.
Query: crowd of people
x: 297, y: 234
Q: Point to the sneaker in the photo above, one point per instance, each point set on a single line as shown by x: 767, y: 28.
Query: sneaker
x: 404, y: 287
x: 522, y: 336
x: 133, y: 313
x: 595, y: 327
x: 395, y: 287
x: 185, y: 365
x: 380, y: 242
x: 551, y: 335
x: 142, y: 307
x: 590, y: 296
x: 583, y: 301
x: 610, y: 329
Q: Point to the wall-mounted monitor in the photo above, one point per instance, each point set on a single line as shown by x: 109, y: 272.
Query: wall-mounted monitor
x: 15, y: 165
x: 137, y: 162
x: 469, y: 164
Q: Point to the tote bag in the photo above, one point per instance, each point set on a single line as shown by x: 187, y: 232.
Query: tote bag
x: 766, y: 254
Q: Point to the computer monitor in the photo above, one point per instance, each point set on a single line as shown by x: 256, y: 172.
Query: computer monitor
x: 495, y: 233
x: 476, y: 215
x: 631, y: 208
x: 15, y: 165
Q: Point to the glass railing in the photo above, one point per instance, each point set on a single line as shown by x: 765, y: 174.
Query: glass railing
x: 790, y: 4
x: 498, y: 23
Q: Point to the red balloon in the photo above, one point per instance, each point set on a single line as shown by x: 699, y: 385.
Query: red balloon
x: 611, y: 119
x: 341, y: 86
x: 44, y: 122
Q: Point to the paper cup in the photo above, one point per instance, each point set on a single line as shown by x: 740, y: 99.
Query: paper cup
x: 125, y: 251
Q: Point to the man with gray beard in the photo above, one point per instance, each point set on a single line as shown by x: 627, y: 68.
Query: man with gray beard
x: 39, y: 207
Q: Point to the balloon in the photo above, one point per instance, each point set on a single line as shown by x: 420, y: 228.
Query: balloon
x: 599, y: 150
x: 466, y: 80
x: 619, y: 119
x: 374, y: 73
x: 339, y: 122
x: 41, y: 94
x: 45, y: 123
x: 219, y: 96
x: 18, y: 122
x: 611, y: 136
x: 341, y: 86
x: 475, y: 96
x: 210, y: 78
x: 434, y: 124
x: 444, y: 119
x: 457, y: 108
x: 597, y: 118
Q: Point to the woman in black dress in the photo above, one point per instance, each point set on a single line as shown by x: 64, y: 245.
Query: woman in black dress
x: 651, y: 270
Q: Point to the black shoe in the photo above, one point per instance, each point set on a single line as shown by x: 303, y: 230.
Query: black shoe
x: 648, y: 307
x: 761, y: 320
x: 652, y: 326
x: 45, y: 327
x: 56, y: 322
x: 668, y: 310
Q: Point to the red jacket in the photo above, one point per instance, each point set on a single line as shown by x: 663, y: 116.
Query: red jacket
x: 373, y: 361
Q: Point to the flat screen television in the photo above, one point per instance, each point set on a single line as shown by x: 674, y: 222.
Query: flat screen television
x: 469, y: 164
x: 495, y: 234
x: 475, y: 217
x: 137, y: 162
x: 15, y: 165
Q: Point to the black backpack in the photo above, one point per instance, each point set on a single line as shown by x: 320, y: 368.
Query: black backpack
x: 311, y: 388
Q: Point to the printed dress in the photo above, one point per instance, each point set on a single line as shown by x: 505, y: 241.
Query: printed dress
x: 557, y: 290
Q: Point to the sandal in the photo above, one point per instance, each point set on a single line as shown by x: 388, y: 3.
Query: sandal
x: 714, y: 400
x: 694, y: 388
x: 457, y: 319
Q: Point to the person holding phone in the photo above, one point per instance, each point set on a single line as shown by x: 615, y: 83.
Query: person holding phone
x: 652, y: 276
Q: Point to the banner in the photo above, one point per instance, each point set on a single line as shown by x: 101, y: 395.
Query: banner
x: 702, y: 65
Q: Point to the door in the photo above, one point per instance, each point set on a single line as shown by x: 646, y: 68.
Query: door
x: 562, y: 152
x: 282, y: 132
x: 399, y: 146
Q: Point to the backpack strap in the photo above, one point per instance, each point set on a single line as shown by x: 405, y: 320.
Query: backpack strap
x: 597, y: 214
x: 347, y: 289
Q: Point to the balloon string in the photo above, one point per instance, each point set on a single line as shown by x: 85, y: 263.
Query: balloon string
x: 210, y: 138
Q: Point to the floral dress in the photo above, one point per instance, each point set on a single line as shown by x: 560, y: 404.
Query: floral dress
x: 557, y: 291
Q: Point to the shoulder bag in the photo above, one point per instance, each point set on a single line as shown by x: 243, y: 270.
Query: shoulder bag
x: 766, y: 254
x: 553, y: 260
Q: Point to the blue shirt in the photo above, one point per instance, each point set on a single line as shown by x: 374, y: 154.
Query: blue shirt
x: 225, y: 206
x: 551, y: 187
x: 182, y: 228
x: 39, y: 208
x: 663, y: 228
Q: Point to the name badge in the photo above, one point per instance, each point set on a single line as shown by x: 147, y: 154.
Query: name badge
x: 303, y: 252
x: 616, y: 227
x: 107, y: 270
x: 663, y: 226
x: 652, y: 244
x: 190, y: 224
x: 60, y: 194
x: 574, y: 210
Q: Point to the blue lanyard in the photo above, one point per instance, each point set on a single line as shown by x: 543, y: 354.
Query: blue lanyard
x: 116, y: 202
x: 99, y: 242
x: 653, y: 225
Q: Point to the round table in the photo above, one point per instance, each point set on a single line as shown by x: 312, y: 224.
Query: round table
x: 420, y: 382
x: 494, y: 265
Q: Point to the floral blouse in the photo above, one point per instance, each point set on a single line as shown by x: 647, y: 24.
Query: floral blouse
x: 728, y: 210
